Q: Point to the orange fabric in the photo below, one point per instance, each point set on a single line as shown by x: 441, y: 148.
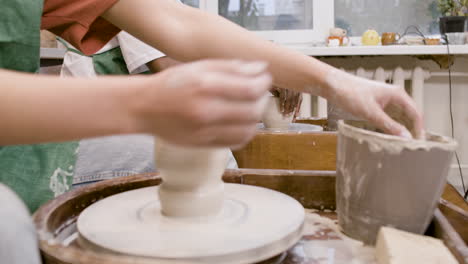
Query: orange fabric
x: 79, y: 22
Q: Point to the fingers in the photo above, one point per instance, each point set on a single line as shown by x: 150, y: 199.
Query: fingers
x: 234, y: 86
x: 409, y: 108
x: 402, y: 108
x: 231, y: 136
x: 367, y: 99
x: 219, y: 112
x: 400, y: 116
x: 223, y: 101
x: 244, y: 68
x: 383, y: 121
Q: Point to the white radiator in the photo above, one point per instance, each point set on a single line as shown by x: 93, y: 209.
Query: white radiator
x: 397, y: 76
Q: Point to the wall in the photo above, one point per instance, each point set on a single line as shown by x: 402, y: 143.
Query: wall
x: 386, y: 15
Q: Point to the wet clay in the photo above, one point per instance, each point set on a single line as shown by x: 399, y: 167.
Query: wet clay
x: 192, y: 184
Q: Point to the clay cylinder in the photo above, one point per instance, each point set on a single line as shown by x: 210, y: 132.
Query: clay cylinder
x: 384, y: 180
x: 191, y: 179
x: 273, y: 118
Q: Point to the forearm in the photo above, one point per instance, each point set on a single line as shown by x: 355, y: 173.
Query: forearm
x: 188, y: 34
x: 36, y: 109
x: 161, y: 64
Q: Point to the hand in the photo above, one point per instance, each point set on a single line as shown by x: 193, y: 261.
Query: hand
x: 290, y: 101
x: 208, y: 103
x: 369, y: 99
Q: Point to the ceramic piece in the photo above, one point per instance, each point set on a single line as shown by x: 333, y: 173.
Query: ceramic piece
x: 338, y: 32
x: 273, y: 118
x: 370, y: 38
x: 334, y: 42
x: 457, y: 38
x: 390, y: 38
x: 355, y: 41
x: 338, y: 38
x: 413, y: 40
x: 432, y: 41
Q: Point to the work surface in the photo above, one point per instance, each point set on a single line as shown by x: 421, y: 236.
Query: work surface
x: 322, y: 241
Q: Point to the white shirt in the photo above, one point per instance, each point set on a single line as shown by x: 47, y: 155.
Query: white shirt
x: 135, y: 52
x: 115, y: 156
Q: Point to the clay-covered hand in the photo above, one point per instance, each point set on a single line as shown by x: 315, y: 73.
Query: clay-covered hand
x: 369, y: 100
x: 290, y: 101
x: 206, y: 103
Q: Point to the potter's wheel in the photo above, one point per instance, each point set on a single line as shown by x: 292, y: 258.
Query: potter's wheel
x: 292, y: 128
x: 255, y: 223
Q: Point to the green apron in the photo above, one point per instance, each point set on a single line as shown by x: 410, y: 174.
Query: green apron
x: 37, y: 173
x: 110, y: 62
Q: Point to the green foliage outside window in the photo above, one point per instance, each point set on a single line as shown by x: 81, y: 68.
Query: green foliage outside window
x: 453, y: 7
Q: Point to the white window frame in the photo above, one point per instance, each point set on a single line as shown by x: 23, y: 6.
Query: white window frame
x: 323, y: 20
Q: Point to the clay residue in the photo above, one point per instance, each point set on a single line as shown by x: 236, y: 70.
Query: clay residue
x: 59, y: 181
x: 324, y: 243
x: 363, y: 132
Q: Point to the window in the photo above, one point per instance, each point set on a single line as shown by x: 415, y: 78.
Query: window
x: 305, y: 21
x: 283, y: 21
x: 193, y: 3
x: 269, y: 15
x: 357, y: 16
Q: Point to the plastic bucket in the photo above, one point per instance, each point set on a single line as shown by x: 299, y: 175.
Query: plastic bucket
x: 383, y: 180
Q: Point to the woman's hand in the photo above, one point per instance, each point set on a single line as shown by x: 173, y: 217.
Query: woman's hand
x: 206, y: 103
x: 369, y: 100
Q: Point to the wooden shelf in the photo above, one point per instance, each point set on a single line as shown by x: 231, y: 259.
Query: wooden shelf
x: 55, y: 53
x: 380, y: 50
